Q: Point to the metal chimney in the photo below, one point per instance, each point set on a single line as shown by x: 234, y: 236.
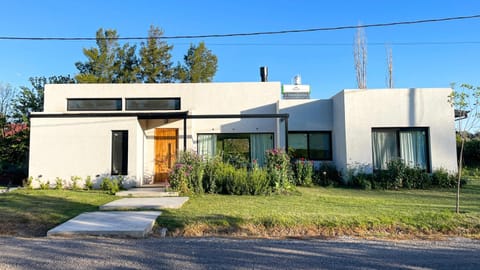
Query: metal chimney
x: 264, y: 74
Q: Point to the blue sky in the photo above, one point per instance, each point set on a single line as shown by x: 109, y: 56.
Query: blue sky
x: 323, y: 59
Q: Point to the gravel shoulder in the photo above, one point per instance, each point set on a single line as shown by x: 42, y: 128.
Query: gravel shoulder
x: 226, y: 253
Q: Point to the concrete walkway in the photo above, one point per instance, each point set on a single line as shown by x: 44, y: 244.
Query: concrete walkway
x: 145, y: 203
x: 124, y: 224
x: 136, y: 223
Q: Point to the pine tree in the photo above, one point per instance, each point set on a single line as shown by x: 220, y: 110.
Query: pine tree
x: 155, y: 58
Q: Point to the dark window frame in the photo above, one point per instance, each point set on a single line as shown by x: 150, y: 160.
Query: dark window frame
x: 397, y: 131
x: 328, y: 132
x: 117, y: 108
x: 176, y: 99
x: 124, y: 153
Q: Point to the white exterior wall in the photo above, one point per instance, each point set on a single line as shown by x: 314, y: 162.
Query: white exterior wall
x: 73, y: 146
x: 196, y: 99
x: 66, y: 147
x: 382, y: 108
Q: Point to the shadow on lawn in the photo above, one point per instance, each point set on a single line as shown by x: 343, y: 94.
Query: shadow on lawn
x: 33, y: 214
x: 219, y: 223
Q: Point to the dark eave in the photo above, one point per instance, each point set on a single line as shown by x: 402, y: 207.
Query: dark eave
x: 158, y: 115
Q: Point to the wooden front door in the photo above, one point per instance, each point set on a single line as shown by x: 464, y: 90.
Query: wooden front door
x: 166, y: 144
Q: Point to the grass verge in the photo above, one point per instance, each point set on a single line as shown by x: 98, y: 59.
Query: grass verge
x: 330, y: 212
x: 34, y: 212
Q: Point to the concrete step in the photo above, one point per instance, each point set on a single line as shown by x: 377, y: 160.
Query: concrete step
x: 116, y: 224
x: 147, y: 192
x: 126, y: 204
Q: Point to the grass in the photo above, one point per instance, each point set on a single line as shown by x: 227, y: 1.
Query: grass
x: 317, y: 212
x: 34, y: 212
x: 329, y: 212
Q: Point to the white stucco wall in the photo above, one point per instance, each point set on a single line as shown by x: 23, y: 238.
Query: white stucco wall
x: 196, y: 99
x: 66, y: 147
x: 381, y: 108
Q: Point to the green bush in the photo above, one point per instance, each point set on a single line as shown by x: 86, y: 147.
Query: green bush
x: 45, y: 185
x: 327, y: 175
x: 279, y: 170
x: 75, y: 180
x: 88, y: 183
x: 362, y: 181
x: 303, y: 170
x: 28, y: 183
x: 211, y: 175
x: 58, y: 183
x: 441, y: 178
x: 259, y: 183
x: 111, y: 186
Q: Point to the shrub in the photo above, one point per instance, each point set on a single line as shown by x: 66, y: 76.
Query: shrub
x: 236, y: 181
x: 110, y: 185
x: 303, y: 172
x: 88, y: 183
x: 211, y: 175
x: 44, y: 185
x: 279, y: 170
x: 442, y: 178
x: 178, y: 178
x: 75, y: 180
x: 58, y: 183
x: 258, y: 182
x: 193, y: 170
x: 28, y: 183
x: 362, y: 181
x: 327, y: 175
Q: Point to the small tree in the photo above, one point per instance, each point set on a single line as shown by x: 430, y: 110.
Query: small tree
x: 466, y: 101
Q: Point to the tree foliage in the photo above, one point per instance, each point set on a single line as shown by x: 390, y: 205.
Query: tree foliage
x: 155, y: 58
x: 99, y: 67
x: 152, y: 63
x: 31, y: 99
x: 200, y: 65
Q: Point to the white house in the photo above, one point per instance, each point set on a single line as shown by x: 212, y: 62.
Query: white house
x: 136, y: 130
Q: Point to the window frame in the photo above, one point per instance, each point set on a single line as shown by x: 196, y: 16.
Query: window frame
x: 397, y: 131
x: 124, y: 153
x: 328, y: 132
x: 176, y: 99
x: 118, y: 108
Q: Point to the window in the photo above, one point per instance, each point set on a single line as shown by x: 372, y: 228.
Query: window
x: 239, y: 149
x: 312, y: 145
x: 119, y: 152
x: 150, y: 104
x: 94, y: 104
x: 407, y: 144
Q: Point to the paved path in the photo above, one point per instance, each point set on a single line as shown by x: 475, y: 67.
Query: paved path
x: 220, y: 253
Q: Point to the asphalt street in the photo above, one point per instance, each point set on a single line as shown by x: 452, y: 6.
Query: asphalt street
x: 222, y: 253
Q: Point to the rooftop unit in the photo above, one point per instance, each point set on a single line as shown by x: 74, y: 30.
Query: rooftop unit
x: 297, y: 90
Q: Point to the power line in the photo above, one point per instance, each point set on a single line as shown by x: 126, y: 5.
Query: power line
x: 407, y: 43
x: 336, y: 28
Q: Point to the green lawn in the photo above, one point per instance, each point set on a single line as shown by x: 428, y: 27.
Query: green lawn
x: 34, y: 212
x: 310, y: 212
x: 331, y: 211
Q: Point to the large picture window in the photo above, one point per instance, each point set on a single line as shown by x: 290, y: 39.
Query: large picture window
x: 407, y: 144
x: 312, y: 145
x: 119, y: 152
x: 236, y: 148
x: 94, y: 104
